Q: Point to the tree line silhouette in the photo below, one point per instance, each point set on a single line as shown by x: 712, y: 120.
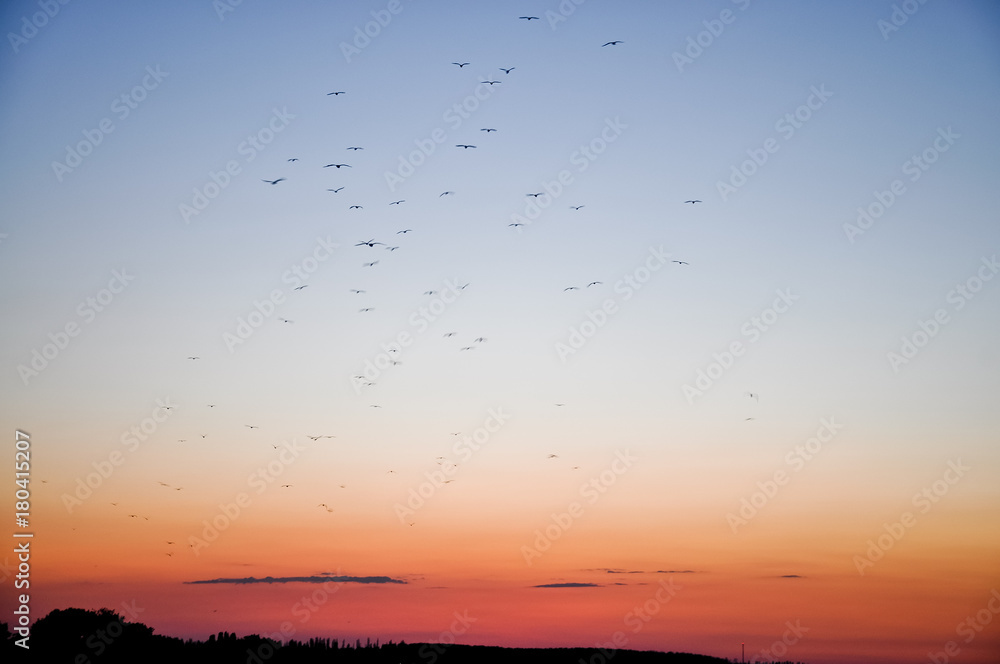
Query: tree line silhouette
x: 81, y: 636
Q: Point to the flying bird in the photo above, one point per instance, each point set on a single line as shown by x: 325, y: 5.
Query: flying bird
x: 335, y: 93
x: 445, y: 193
x: 293, y: 159
x: 571, y: 288
x: 398, y: 202
x: 356, y: 207
x: 404, y: 232
x: 575, y: 207
x: 507, y: 71
x: 301, y: 287
x: 541, y: 193
x: 335, y: 190
x: 753, y: 395
x: 529, y: 18
x: 681, y: 262
x: 372, y: 264
x: 274, y: 181
x: 449, y: 334
x: 460, y: 64
x: 487, y: 130
x: 594, y: 283
x: 391, y: 248
x: 355, y: 148
x: 464, y: 146
x: 194, y: 357
x: 515, y: 225
x: 337, y: 165
x: 250, y: 426
x: 612, y: 43
x: 359, y: 292
x: 491, y: 82
x: 693, y: 202
x: 285, y: 320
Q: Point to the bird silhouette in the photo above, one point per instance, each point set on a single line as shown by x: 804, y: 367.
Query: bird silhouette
x: 337, y: 165
x: 487, y: 130
x: 613, y: 43
x: 461, y: 64
x: 301, y: 287
x: 692, y: 202
x: 335, y: 93
x: 529, y: 18
x: 460, y: 145
x: 446, y: 193
x: 507, y: 71
x: 335, y: 190
x: 355, y: 148
x: 681, y: 262
x: 398, y: 202
x: 575, y: 207
x: 273, y: 182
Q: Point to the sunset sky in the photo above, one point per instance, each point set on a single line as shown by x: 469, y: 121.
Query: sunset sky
x: 768, y: 417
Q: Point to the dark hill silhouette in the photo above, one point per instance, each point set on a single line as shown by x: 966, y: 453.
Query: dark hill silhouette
x: 80, y: 636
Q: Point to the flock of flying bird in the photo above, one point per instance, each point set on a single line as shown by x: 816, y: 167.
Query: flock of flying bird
x: 372, y: 243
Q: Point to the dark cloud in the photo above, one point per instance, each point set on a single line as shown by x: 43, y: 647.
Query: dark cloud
x: 568, y: 585
x: 321, y: 578
x: 791, y: 576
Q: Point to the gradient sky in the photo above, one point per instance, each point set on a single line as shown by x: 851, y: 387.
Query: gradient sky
x: 646, y: 486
